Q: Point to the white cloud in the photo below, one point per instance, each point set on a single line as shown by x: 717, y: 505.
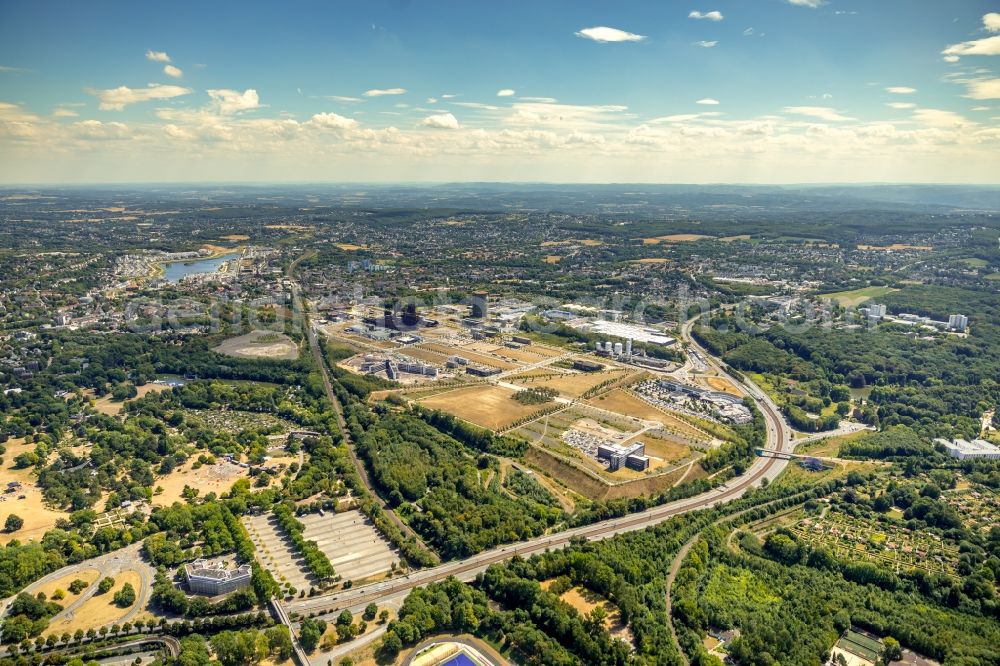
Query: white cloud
x: 900, y: 90
x: 175, y: 72
x: 540, y: 100
x: 991, y: 21
x: 61, y: 112
x: 441, y: 121
x: 711, y: 16
x: 812, y: 4
x: 939, y: 118
x: 233, y: 101
x: 901, y: 105
x: 706, y: 44
x: 432, y: 100
x: 951, y: 58
x: 567, y: 116
x: 708, y: 101
x: 505, y: 92
x: 95, y: 129
x: 604, y: 34
x: 157, y: 56
x: 380, y: 92
x: 678, y: 118
x: 985, y: 46
x: 822, y: 112
x: 448, y: 96
x: 333, y: 121
x: 11, y: 70
x: 341, y: 98
x: 116, y: 99
x: 477, y: 105
x: 748, y: 32
x: 981, y: 108
x: 983, y: 89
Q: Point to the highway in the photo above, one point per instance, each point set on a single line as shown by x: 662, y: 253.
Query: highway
x: 762, y: 468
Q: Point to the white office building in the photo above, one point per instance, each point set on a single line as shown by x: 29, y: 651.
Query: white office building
x: 214, y: 578
x: 958, y: 322
x: 977, y: 448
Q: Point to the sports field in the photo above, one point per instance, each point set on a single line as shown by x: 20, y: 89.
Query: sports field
x: 855, y: 297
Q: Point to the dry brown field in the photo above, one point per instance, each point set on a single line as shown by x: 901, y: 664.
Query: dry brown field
x: 487, y: 406
x: 623, y: 402
x: 100, y: 609
x: 724, y: 385
x: 217, y: 478
x: 38, y: 516
x: 575, y: 385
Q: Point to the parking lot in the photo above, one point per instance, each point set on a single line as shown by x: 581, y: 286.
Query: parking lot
x: 355, y: 548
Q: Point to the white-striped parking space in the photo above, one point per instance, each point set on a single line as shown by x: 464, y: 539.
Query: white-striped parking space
x: 355, y: 548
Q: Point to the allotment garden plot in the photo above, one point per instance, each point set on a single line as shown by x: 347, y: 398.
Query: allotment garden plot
x: 900, y: 548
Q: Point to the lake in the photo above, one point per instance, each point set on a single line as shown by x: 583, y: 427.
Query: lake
x: 178, y: 270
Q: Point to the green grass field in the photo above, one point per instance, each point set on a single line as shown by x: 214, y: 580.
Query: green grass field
x: 855, y: 297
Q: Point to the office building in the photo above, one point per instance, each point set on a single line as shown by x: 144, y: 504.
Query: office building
x: 480, y: 307
x: 958, y: 322
x: 963, y: 449
x: 213, y: 578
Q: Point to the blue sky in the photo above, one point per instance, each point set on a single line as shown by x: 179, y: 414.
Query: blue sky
x: 664, y: 91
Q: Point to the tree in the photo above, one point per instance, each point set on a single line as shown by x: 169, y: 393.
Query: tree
x: 124, y: 391
x: 383, y: 616
x: 312, y: 630
x: 893, y: 651
x: 13, y: 523
x: 370, y: 611
x: 125, y: 597
x: 391, y: 646
x: 105, y: 585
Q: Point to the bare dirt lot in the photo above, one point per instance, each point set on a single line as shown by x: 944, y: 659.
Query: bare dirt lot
x: 487, y: 406
x: 260, y: 344
x: 217, y: 478
x: 722, y: 384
